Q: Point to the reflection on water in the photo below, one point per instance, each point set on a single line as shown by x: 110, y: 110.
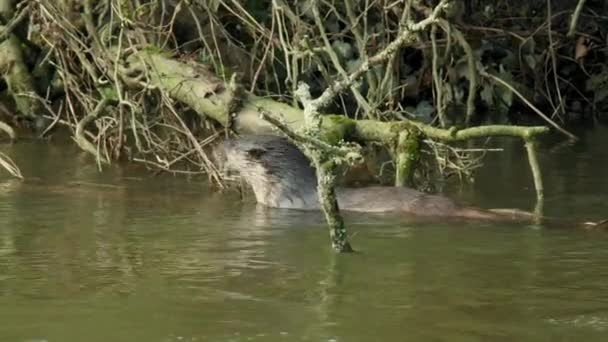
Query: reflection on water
x: 125, y: 256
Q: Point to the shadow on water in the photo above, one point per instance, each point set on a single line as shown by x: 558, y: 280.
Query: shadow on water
x: 125, y: 256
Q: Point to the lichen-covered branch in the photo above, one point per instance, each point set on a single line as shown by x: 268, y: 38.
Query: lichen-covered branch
x: 406, y: 154
x: 325, y: 165
x: 535, y: 167
x: 324, y: 159
x: 350, y: 154
x: 9, y: 165
x: 207, y: 95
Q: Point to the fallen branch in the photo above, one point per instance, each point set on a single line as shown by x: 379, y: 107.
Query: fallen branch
x: 324, y: 159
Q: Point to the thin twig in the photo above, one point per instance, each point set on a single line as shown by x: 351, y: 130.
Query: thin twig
x: 4, y: 127
x: 9, y: 165
x: 8, y: 29
x: 533, y: 107
x: 561, y: 105
x: 574, y: 19
x: 438, y: 85
x: 405, y: 37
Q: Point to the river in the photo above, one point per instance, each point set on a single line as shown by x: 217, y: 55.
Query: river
x: 123, y: 255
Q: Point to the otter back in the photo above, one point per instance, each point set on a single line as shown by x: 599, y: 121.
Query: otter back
x: 281, y: 176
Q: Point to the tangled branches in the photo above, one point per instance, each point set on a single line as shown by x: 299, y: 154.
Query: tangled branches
x: 85, y: 53
x: 107, y: 103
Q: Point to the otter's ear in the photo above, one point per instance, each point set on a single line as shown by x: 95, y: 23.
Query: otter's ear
x: 256, y: 153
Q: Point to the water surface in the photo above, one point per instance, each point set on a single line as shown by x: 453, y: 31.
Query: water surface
x: 126, y: 256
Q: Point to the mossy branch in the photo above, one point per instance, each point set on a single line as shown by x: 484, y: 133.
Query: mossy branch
x: 323, y: 158
x: 206, y: 94
x: 407, y: 154
x: 455, y: 134
x: 538, y: 180
x: 350, y: 153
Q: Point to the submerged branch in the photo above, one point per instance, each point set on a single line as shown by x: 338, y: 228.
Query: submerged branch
x: 538, y: 180
x: 9, y: 165
x: 321, y: 155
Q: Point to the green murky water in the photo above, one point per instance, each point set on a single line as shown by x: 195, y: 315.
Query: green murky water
x: 131, y: 257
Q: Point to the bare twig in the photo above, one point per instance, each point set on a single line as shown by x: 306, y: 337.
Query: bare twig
x: 334, y: 57
x: 471, y: 63
x: 9, y: 165
x: 536, y: 110
x: 405, y: 37
x: 574, y: 19
x: 438, y: 85
x: 4, y: 127
x: 561, y: 105
x: 8, y: 29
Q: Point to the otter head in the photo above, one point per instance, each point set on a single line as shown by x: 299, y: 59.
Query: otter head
x: 279, y: 173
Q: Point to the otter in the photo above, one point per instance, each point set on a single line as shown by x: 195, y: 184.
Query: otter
x: 281, y: 176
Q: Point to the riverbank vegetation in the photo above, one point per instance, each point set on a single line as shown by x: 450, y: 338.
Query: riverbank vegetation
x: 159, y: 81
